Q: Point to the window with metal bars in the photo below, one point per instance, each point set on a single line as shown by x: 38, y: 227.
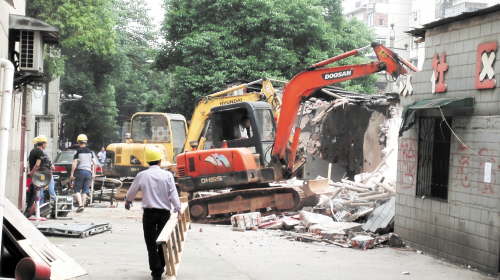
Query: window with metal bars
x: 434, y: 143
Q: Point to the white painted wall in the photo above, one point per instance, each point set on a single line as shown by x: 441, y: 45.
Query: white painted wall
x: 14, y: 155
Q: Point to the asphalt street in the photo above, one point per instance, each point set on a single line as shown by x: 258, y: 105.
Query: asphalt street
x: 217, y: 252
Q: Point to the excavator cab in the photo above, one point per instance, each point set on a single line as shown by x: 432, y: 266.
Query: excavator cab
x: 227, y: 126
x: 164, y: 130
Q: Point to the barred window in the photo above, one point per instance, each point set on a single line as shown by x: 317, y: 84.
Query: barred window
x: 434, y: 144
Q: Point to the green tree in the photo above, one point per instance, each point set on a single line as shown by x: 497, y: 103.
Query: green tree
x: 136, y: 83
x: 83, y: 62
x: 210, y: 42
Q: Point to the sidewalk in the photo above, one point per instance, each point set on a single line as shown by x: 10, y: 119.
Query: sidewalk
x: 217, y: 252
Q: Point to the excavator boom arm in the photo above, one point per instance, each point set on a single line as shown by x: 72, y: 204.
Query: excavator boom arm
x: 308, y: 81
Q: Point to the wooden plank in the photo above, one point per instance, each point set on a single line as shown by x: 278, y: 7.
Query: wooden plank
x: 181, y: 229
x: 171, y: 258
x: 176, y: 266
x: 167, y: 262
x: 174, y: 247
x: 169, y: 227
x: 178, y: 239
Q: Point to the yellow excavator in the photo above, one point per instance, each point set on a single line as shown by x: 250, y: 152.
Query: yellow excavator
x: 169, y: 132
x: 164, y: 130
x: 199, y: 135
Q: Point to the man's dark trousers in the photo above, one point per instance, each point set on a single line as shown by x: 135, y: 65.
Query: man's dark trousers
x: 153, y: 221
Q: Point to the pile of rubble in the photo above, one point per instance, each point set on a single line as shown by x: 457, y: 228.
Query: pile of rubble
x: 358, y: 214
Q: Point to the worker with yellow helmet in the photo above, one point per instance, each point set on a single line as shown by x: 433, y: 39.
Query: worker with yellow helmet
x: 158, y: 192
x: 82, y: 172
x: 36, y: 159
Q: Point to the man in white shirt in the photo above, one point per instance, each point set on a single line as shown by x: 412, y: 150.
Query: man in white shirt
x: 158, y: 191
x: 245, y: 128
x: 102, y: 156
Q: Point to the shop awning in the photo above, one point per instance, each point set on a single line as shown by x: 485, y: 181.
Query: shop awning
x: 458, y: 106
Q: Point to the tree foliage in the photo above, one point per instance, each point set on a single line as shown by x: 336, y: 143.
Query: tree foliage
x: 210, y: 42
x: 83, y: 62
x: 137, y: 84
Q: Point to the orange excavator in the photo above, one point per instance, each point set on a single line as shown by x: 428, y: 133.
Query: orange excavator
x: 248, y: 165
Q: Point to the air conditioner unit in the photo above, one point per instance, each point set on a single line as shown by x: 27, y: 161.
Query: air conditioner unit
x: 30, y: 51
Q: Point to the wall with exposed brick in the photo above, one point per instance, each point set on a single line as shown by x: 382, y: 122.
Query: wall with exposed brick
x: 466, y: 227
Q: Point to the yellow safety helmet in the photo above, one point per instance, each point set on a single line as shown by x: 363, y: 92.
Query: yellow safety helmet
x: 153, y: 154
x: 82, y: 138
x: 35, y: 140
x: 40, y: 139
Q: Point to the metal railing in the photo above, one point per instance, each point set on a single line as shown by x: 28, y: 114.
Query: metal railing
x: 173, y: 237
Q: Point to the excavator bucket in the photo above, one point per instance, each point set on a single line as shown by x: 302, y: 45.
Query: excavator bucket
x: 314, y: 188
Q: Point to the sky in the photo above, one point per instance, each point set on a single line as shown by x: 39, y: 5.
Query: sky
x: 156, y: 11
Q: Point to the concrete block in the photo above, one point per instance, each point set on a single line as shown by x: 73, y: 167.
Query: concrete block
x: 475, y: 31
x: 418, y: 203
x: 464, y: 34
x: 454, y: 210
x: 460, y: 225
x: 429, y: 54
x: 472, y: 57
x: 463, y: 59
x: 477, y: 256
x: 445, y: 38
x: 493, y: 108
x: 470, y: 226
x: 463, y: 238
x: 495, y: 29
x: 486, y: 29
x: 410, y: 201
x: 469, y: 46
x: 436, y: 206
x: 469, y: 85
x: 493, y: 203
x: 481, y: 230
x: 445, y: 209
x: 455, y: 36
x: 492, y: 261
x: 492, y: 246
x: 475, y: 215
x: 429, y: 41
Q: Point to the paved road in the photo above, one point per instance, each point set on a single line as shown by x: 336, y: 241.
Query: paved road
x: 216, y: 252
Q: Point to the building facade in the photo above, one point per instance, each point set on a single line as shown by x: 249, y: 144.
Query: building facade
x: 33, y: 111
x: 448, y: 182
x: 387, y: 18
x: 426, y: 11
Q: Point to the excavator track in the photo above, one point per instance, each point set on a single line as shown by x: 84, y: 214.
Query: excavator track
x: 202, y: 203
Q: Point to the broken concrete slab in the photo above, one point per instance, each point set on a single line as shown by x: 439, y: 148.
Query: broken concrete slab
x: 335, y: 227
x: 309, y: 219
x: 247, y: 220
x: 381, y: 216
x: 363, y: 242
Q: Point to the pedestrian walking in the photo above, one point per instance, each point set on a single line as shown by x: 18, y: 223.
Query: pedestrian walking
x: 102, y: 156
x: 82, y: 172
x: 158, y: 193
